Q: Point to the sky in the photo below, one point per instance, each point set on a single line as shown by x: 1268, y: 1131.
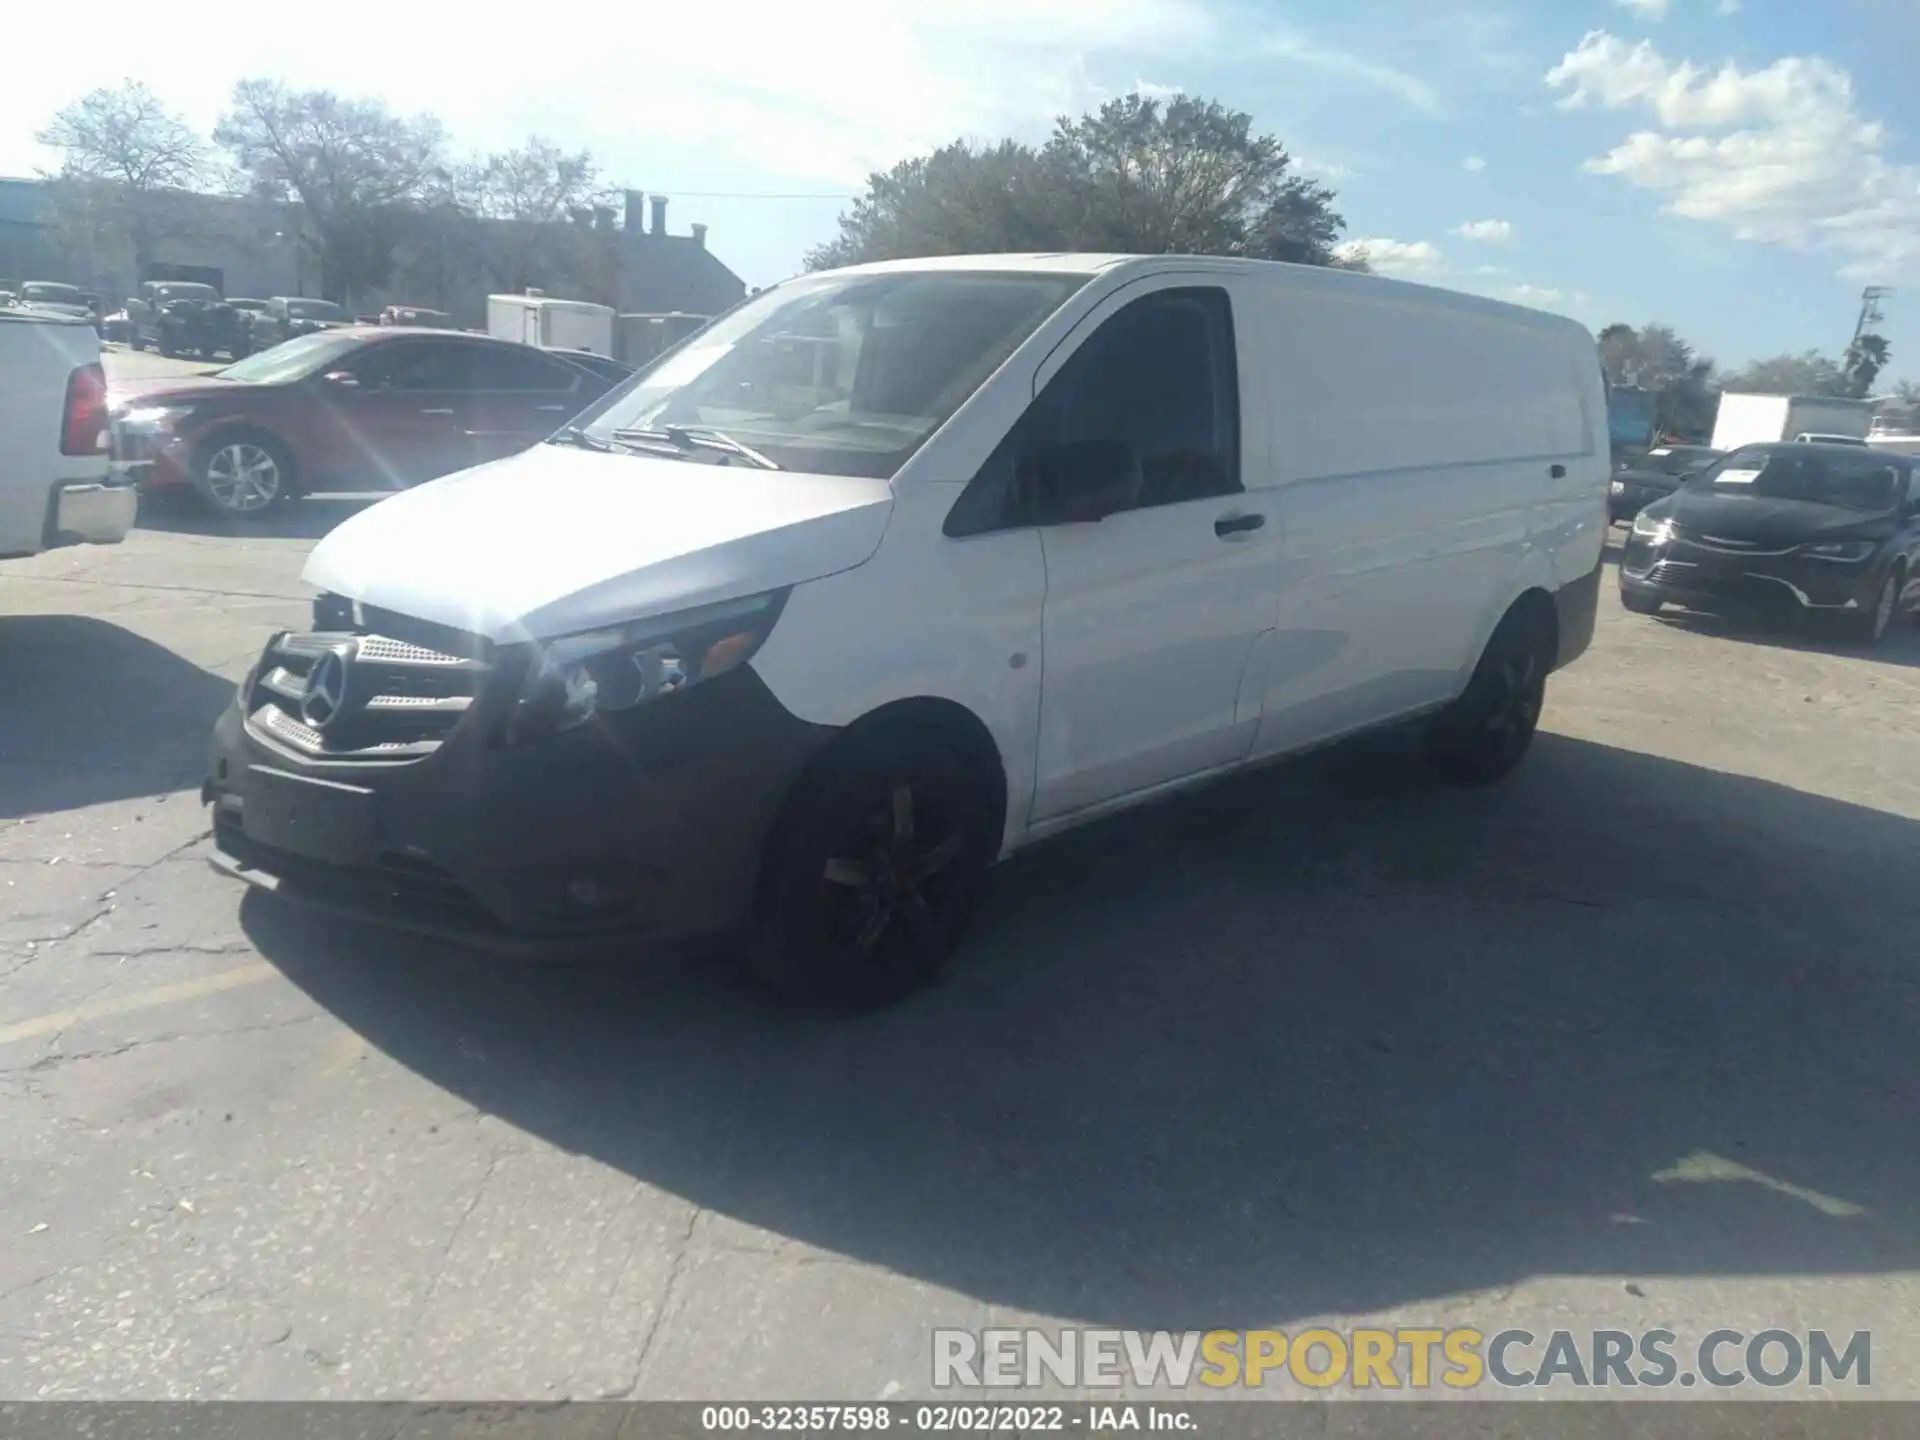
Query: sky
x: 1738, y: 169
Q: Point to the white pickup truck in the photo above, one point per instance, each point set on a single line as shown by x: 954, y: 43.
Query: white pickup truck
x: 55, y: 485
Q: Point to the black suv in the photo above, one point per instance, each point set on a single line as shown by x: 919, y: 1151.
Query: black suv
x: 183, y: 317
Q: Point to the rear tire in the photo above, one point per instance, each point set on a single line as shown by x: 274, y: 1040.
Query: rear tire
x: 1486, y: 733
x: 872, y: 872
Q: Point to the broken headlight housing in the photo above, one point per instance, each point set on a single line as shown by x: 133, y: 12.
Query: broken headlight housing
x: 574, y: 678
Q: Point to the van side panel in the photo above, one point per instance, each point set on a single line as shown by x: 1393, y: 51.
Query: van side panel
x: 1413, y: 438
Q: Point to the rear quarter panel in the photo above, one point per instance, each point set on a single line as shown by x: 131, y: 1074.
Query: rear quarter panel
x: 1414, y: 434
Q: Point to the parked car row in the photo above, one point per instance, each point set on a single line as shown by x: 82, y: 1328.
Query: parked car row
x: 344, y: 408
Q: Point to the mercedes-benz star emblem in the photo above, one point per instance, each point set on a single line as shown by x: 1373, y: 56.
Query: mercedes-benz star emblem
x: 326, y: 690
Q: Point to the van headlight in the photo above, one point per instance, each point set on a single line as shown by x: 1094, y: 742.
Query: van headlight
x: 576, y: 677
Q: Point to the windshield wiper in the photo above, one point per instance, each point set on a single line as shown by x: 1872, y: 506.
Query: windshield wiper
x: 698, y: 437
x: 587, y: 440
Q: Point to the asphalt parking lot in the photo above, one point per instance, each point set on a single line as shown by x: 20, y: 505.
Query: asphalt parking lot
x: 1626, y: 1042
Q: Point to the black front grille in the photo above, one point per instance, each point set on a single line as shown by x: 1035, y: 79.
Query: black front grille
x: 399, y: 700
x: 1670, y: 572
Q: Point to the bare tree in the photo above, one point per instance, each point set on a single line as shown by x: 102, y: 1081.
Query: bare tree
x: 351, y: 167
x: 126, y: 160
x: 530, y: 204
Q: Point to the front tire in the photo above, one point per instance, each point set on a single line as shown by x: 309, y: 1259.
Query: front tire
x: 873, y: 871
x: 1638, y: 604
x: 1872, y: 627
x: 1485, y: 734
x: 243, y: 475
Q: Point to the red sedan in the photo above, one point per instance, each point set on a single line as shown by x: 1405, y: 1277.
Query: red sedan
x: 358, y: 409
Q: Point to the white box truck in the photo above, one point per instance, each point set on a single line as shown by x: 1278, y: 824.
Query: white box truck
x: 1758, y: 419
x: 551, y: 323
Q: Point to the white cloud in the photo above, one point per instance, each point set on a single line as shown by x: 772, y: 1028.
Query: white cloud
x: 1488, y: 270
x: 1361, y: 69
x: 1397, y: 257
x: 1151, y: 91
x: 1492, y: 231
x: 1645, y: 9
x: 1537, y: 294
x: 1473, y: 162
x: 1778, y: 155
x: 1727, y: 7
x: 767, y: 86
x: 1325, y: 169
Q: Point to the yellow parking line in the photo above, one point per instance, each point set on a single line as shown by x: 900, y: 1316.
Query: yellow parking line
x: 137, y: 1000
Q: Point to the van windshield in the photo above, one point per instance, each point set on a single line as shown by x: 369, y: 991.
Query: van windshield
x: 840, y: 375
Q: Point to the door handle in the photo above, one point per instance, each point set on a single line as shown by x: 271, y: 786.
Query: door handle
x: 551, y: 409
x: 1558, y: 472
x: 1228, y: 527
x: 447, y: 411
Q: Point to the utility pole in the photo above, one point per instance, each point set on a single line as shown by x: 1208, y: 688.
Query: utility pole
x: 1871, y: 315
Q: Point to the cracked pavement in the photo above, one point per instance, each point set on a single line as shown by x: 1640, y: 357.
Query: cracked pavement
x: 1628, y: 1041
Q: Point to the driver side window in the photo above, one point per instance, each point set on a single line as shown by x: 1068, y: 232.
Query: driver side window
x: 1157, y: 382
x: 411, y: 367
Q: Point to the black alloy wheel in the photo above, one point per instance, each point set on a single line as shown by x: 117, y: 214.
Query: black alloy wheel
x: 1486, y: 733
x: 873, y: 873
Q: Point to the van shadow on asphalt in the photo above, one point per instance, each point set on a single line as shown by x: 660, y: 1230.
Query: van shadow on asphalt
x: 1329, y: 1039
x: 91, y: 712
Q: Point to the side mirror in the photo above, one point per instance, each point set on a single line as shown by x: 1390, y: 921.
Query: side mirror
x: 1084, y: 481
x: 342, y: 379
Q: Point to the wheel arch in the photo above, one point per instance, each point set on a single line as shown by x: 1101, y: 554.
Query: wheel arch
x: 955, y: 723
x: 1531, y: 598
x: 952, y: 721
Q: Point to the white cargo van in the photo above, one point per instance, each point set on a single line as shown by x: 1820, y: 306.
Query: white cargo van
x: 896, y: 569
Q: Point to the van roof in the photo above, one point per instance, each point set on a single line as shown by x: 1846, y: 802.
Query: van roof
x: 1321, y: 276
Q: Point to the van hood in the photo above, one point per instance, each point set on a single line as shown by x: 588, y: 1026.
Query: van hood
x: 556, y: 540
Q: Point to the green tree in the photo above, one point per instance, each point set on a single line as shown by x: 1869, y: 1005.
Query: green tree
x: 352, y: 168
x: 1139, y: 175
x: 1654, y: 357
x: 126, y: 161
x: 1866, y: 357
x: 1808, y: 373
x: 959, y: 200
